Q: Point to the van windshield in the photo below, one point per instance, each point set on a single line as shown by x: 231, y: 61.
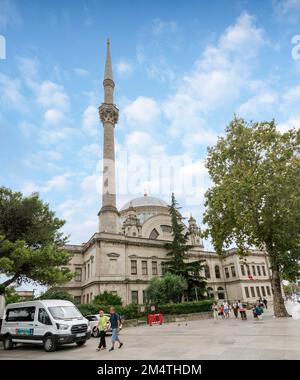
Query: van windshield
x: 65, y: 312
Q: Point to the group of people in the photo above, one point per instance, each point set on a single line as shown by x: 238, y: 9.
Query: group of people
x: 223, y: 310
x: 105, y: 323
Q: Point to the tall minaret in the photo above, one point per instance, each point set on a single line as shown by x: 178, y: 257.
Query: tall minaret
x: 109, y: 113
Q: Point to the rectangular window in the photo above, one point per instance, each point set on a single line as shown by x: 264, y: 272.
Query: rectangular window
x: 83, y: 297
x: 134, y: 296
x: 268, y: 290
x: 258, y: 291
x: 84, y: 273
x: 227, y: 272
x: 263, y: 291
x: 243, y: 270
x: 252, y: 291
x: 87, y: 298
x: 247, y: 292
x: 233, y: 271
x: 20, y: 314
x: 164, y: 268
x: 78, y: 274
x: 264, y: 270
x: 144, y: 297
x: 88, y: 270
x: 248, y: 270
x: 133, y: 267
x: 43, y: 317
x: 154, y: 268
x: 253, y: 270
x: 258, y: 270
x: 144, y: 268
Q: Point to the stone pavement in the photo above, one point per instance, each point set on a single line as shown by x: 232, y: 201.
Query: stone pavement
x: 203, y: 339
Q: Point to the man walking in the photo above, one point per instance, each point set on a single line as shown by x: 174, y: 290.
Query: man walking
x: 102, y: 326
x: 115, y: 326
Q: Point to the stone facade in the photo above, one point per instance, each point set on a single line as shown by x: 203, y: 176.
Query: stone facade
x: 129, y: 248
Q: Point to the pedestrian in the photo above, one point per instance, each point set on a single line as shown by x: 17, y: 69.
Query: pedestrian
x: 235, y: 309
x: 102, y: 327
x: 215, y: 311
x: 259, y: 311
x: 265, y: 302
x: 242, y: 310
x: 226, y: 310
x: 115, y: 322
x: 221, y: 311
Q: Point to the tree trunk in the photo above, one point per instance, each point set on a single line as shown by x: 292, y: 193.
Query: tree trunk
x: 279, y: 307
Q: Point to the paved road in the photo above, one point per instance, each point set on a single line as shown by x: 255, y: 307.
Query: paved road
x: 204, y: 339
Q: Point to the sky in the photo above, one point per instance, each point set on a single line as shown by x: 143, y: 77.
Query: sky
x: 181, y: 69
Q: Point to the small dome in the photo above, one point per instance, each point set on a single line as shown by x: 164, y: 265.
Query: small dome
x: 144, y: 201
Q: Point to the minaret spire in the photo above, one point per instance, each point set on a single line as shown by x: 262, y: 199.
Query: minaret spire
x: 109, y: 114
x: 108, y: 74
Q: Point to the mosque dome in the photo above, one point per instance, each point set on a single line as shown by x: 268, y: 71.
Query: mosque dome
x: 144, y: 201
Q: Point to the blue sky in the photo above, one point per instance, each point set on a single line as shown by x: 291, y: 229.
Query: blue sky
x: 182, y: 68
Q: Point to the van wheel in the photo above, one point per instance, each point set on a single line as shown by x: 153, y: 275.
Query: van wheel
x: 49, y: 344
x: 81, y: 343
x: 7, y: 343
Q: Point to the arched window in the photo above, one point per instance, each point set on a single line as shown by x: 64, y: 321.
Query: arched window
x: 210, y: 292
x: 217, y: 271
x: 154, y: 234
x: 221, y: 294
x: 206, y: 271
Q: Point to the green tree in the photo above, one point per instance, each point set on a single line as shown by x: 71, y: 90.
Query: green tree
x: 107, y: 298
x: 255, y: 197
x: 31, y: 244
x: 169, y: 288
x: 178, y: 249
x: 53, y: 294
x: 11, y: 296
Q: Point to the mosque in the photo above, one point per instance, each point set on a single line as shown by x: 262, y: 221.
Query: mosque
x: 128, y: 249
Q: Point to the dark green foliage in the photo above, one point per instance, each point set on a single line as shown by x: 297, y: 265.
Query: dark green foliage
x: 178, y: 249
x: 107, y: 298
x: 31, y: 244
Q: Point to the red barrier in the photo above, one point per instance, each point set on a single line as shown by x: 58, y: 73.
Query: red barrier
x: 155, y: 318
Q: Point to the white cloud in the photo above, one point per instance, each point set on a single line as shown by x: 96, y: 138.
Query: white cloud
x: 27, y: 128
x: 53, y: 117
x: 10, y: 93
x: 90, y: 121
x: 142, y: 112
x: 258, y: 105
x: 56, y: 183
x: 50, y: 94
x: 293, y: 122
x: 124, y: 68
x: 49, y: 136
x: 160, y: 26
x: 28, y: 67
x: 286, y: 10
x: 81, y: 72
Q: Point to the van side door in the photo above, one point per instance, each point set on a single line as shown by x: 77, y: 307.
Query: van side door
x: 42, y: 323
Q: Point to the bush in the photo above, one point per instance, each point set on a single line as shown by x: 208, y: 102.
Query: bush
x: 132, y: 311
x: 169, y: 288
x: 107, y: 298
x: 186, y: 307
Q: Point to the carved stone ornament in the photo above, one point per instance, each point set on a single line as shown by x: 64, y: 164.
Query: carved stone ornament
x: 108, y: 113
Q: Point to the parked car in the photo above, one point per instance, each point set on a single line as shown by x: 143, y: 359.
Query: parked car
x: 46, y: 322
x: 93, y: 323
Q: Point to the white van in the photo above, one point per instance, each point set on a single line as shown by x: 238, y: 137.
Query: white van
x: 47, y: 322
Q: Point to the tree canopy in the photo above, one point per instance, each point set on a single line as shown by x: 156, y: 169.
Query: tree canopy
x: 169, y: 288
x: 107, y: 298
x: 179, y: 263
x: 31, y: 243
x: 255, y: 197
